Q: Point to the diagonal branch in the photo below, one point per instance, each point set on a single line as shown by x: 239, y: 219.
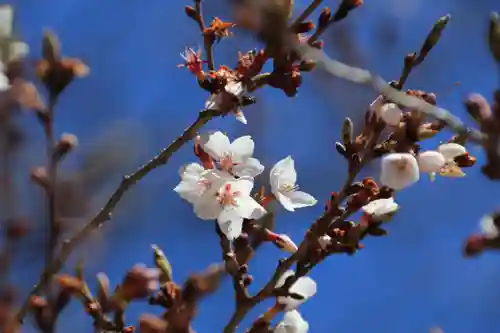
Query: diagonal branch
x: 105, y: 213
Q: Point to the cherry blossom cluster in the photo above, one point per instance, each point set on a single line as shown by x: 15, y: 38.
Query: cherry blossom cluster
x: 221, y: 187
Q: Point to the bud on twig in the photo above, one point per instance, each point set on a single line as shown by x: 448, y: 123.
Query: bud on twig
x: 190, y: 12
x: 163, y: 264
x: 434, y: 36
x: 51, y: 49
x: 494, y: 36
x: 324, y: 18
x: 347, y: 129
x: 40, y: 176
x: 67, y: 143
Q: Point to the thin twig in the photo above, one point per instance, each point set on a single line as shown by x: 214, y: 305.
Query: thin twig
x: 105, y: 213
x: 306, y: 13
x: 54, y: 226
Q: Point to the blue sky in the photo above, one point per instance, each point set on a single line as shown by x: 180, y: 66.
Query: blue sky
x: 407, y: 282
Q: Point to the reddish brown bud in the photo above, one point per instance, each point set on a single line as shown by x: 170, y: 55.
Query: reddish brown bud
x: 474, y: 245
x: 465, y: 160
x: 304, y: 27
x: 190, y: 12
x: 324, y: 18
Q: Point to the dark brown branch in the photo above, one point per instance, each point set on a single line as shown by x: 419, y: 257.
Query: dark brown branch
x: 306, y: 13
x: 54, y: 226
x: 105, y: 213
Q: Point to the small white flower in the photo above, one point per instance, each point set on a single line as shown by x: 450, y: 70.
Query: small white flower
x: 283, y: 179
x: 381, y: 209
x: 235, y: 157
x: 488, y: 227
x: 325, y: 241
x: 235, y: 89
x: 377, y: 104
x: 230, y: 206
x: 285, y: 243
x: 292, y: 323
x: 399, y: 170
x: 450, y: 151
x: 391, y: 114
x: 198, y: 183
x: 304, y: 286
x: 430, y: 161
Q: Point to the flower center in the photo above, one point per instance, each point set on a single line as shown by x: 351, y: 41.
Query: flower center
x: 289, y: 188
x: 401, y: 164
x: 228, y: 197
x: 205, y: 183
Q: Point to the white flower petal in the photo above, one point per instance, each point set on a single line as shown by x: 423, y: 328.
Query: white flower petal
x: 391, y: 114
x: 235, y: 88
x: 4, y: 82
x: 189, y: 191
x: 324, y: 241
x: 215, y: 144
x: 286, y: 243
x: 191, y: 170
x: 380, y: 207
x: 240, y: 116
x: 207, y: 208
x: 242, y: 148
x: 283, y: 278
x: 18, y: 50
x: 250, y: 168
x: 230, y: 223
x: 243, y: 185
x: 248, y: 208
x: 488, y: 227
x: 430, y: 161
x: 399, y: 170
x: 283, y: 172
x: 304, y: 286
x: 451, y: 150
x: 301, y: 199
x: 292, y: 323
x: 6, y: 20
x: 285, y: 201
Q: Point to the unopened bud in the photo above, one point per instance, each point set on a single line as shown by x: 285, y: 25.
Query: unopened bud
x: 190, y: 12
x: 51, y: 48
x: 324, y: 18
x: 347, y: 130
x: 67, y: 143
x: 304, y: 27
x: 478, y: 108
x: 285, y: 243
x: 40, y: 176
x: 434, y: 36
x: 307, y: 66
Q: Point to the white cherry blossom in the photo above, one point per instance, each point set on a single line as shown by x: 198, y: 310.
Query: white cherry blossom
x: 230, y: 206
x: 283, y: 179
x: 234, y: 157
x: 381, y: 209
x: 198, y: 183
x: 399, y: 170
x: 450, y: 151
x: 391, y: 114
x: 488, y: 227
x: 4, y: 80
x: 233, y: 88
x: 430, y: 161
x: 304, y: 286
x: 292, y: 323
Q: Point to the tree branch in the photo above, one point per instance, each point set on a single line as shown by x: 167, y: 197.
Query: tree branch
x: 105, y: 213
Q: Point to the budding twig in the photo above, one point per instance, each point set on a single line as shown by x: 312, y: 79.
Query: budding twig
x: 105, y: 213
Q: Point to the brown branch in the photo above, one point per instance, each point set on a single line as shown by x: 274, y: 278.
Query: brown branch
x: 54, y: 226
x: 105, y: 213
x: 208, y: 40
x: 306, y: 13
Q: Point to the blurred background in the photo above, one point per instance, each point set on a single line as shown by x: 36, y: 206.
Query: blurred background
x: 136, y: 101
